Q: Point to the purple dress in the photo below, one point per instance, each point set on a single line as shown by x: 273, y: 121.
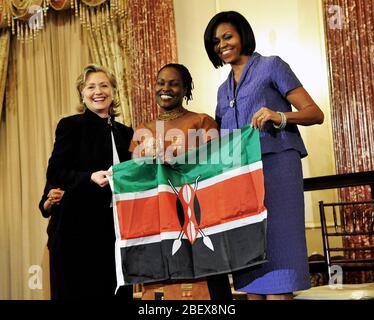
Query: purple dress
x: 265, y: 81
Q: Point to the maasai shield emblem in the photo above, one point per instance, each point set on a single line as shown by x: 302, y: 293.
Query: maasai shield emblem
x: 189, y: 216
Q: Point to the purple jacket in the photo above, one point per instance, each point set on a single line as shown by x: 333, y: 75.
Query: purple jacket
x: 265, y: 82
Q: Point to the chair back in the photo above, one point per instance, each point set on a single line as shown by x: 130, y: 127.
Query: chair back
x: 348, y: 235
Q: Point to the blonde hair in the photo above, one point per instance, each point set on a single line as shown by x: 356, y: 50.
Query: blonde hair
x: 81, y: 82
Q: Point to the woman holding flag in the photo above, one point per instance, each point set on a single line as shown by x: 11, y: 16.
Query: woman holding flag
x: 86, y: 145
x: 260, y: 91
x: 173, y: 85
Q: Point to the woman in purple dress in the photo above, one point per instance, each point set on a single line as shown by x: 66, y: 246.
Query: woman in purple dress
x: 260, y: 91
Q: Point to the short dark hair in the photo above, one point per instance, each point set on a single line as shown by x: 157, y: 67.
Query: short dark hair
x: 240, y: 23
x: 186, y: 78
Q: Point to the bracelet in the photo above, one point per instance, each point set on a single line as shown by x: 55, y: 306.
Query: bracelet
x: 283, y: 123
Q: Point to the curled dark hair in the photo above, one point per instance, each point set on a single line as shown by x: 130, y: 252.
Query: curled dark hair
x: 186, y: 78
x: 240, y: 23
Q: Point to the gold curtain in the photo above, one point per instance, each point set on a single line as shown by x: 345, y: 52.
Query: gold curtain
x: 4, y: 52
x: 106, y: 46
x: 137, y: 37
x: 40, y: 90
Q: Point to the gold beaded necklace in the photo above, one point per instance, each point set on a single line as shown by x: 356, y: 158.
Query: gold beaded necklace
x: 173, y: 114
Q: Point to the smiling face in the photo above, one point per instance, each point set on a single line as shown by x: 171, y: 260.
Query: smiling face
x: 98, y: 93
x: 227, y: 44
x: 169, y: 89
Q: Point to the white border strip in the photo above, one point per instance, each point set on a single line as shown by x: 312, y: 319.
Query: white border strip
x: 117, y: 245
x: 208, y: 231
x: 203, y: 184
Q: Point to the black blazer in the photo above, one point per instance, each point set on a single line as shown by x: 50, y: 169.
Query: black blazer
x: 82, y: 146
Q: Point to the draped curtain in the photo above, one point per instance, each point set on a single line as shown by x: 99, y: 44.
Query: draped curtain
x: 4, y: 52
x: 349, y: 26
x: 152, y: 44
x: 106, y: 44
x: 40, y: 71
x: 40, y: 89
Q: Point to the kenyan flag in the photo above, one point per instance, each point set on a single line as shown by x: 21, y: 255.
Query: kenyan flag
x: 200, y: 216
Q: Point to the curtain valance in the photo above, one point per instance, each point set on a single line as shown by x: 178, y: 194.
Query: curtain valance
x: 27, y: 17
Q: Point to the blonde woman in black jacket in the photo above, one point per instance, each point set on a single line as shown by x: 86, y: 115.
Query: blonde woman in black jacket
x: 83, y: 246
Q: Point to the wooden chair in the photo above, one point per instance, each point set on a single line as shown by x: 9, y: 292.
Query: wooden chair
x: 353, y: 221
x: 339, y: 222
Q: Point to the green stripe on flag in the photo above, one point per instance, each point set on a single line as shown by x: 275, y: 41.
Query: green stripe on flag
x: 231, y: 151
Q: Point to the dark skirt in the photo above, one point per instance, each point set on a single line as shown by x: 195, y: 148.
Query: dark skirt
x: 287, y: 267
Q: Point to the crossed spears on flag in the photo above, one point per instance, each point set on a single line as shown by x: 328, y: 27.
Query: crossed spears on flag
x: 188, y: 210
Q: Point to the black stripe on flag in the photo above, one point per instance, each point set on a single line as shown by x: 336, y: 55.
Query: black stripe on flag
x: 234, y: 249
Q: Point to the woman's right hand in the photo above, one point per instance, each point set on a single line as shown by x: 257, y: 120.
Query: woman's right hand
x: 99, y: 177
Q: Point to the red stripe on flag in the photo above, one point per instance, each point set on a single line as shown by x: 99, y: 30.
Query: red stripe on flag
x: 236, y: 198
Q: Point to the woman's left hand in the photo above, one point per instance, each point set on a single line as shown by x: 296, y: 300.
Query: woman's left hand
x: 54, y: 197
x: 264, y: 115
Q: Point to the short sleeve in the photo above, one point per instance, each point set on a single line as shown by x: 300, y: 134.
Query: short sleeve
x: 133, y: 145
x: 283, y: 78
x: 218, y: 113
x: 208, y: 123
x: 142, y: 143
x: 134, y: 141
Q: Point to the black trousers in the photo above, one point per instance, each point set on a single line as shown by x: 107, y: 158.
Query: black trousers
x: 85, y: 272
